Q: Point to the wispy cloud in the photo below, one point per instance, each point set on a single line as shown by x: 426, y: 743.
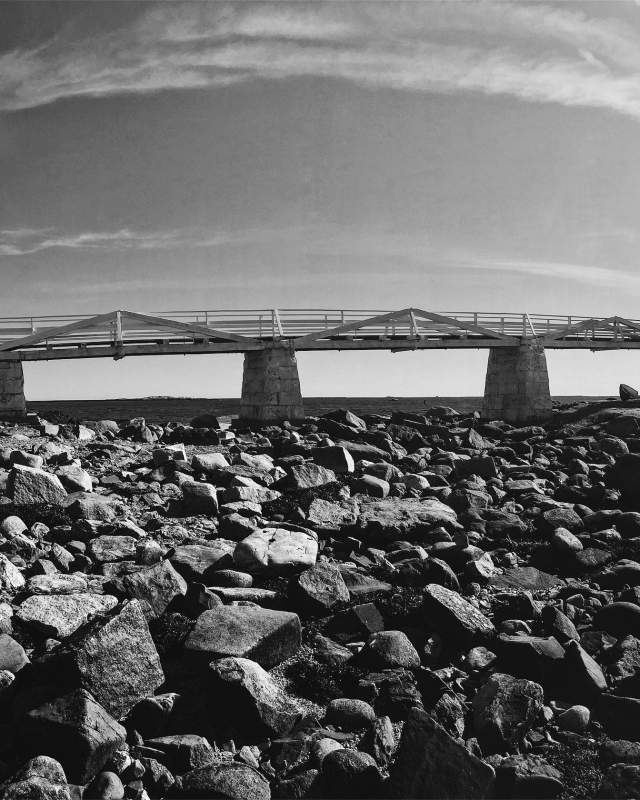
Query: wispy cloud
x: 536, y: 52
x: 28, y: 241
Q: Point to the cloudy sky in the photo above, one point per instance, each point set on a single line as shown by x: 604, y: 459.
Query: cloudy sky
x: 447, y: 155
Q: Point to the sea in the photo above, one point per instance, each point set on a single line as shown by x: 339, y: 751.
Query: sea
x: 184, y: 409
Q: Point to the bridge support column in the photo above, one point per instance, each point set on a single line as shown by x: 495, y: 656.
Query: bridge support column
x: 271, y: 386
x: 517, y: 384
x: 12, y: 402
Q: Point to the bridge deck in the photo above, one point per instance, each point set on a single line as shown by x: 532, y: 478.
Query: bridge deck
x: 123, y: 333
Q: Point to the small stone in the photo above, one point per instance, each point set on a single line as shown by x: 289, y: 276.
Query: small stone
x: 349, y: 715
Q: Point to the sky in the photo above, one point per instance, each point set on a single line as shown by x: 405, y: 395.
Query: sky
x: 451, y: 156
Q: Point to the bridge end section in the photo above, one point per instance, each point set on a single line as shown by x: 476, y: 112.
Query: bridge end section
x: 12, y: 402
x: 271, y: 386
x: 517, y: 384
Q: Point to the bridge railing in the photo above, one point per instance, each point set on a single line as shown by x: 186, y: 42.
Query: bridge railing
x: 288, y: 323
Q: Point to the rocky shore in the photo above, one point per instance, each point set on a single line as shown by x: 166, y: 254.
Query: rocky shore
x: 404, y: 606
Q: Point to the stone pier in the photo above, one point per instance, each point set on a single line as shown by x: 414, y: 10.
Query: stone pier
x: 271, y: 386
x: 12, y: 402
x: 517, y: 384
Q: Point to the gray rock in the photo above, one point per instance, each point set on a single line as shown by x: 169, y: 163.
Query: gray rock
x: 199, y: 498
x: 115, y: 659
x: 259, y: 634
x: 620, y: 782
x: 308, y: 476
x: 11, y: 579
x: 396, y: 518
x: 184, y: 752
x: 112, y: 548
x: 277, y: 551
x: 389, y: 650
x: 75, y: 730
x: 232, y: 781
x: 504, y: 710
x: 155, y: 588
x: 29, y: 485
x: 320, y: 587
x: 337, y: 459
x: 246, y: 693
x: 451, y: 615
x: 331, y: 517
x: 12, y: 654
x: 59, y: 615
x: 349, y: 714
x: 430, y: 763
x: 199, y: 562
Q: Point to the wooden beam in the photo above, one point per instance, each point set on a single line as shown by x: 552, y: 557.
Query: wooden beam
x: 350, y: 326
x: 55, y: 332
x: 455, y: 323
x: 188, y: 327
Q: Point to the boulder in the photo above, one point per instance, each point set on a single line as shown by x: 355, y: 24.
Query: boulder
x: 200, y: 562
x: 115, y: 659
x: 320, y: 588
x: 11, y: 579
x: 277, y: 551
x: 199, y: 498
x: 229, y: 780
x: 399, y: 518
x: 74, y: 729
x: 446, y: 612
x: 504, y: 710
x: 244, y: 692
x: 430, y: 763
x: 389, y: 650
x: 155, y: 587
x: 330, y: 517
x: 59, y: 615
x: 308, y: 476
x: 259, y: 634
x: 112, y: 548
x: 29, y: 485
x: 337, y: 459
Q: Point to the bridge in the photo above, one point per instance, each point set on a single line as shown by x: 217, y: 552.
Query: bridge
x: 516, y: 387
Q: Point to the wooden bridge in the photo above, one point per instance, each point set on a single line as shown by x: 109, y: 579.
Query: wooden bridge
x: 516, y: 388
x: 127, y: 333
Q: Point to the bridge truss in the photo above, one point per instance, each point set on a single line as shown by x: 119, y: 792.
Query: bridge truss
x: 125, y: 333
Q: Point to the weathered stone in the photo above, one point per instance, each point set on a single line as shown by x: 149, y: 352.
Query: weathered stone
x: 331, y: 517
x: 184, y: 752
x: 504, y: 710
x: 11, y: 579
x: 248, y: 695
x: 12, y: 654
x: 29, y: 485
x: 199, y: 562
x: 232, y: 781
x: 321, y: 587
x: 116, y: 660
x: 337, y: 459
x: 112, y: 548
x: 200, y: 498
x: 396, y: 518
x: 277, y: 551
x: 75, y: 730
x: 430, y: 763
x: 350, y: 714
x: 56, y: 583
x: 451, y: 615
x: 389, y: 650
x: 259, y: 634
x: 155, y: 588
x: 59, y: 615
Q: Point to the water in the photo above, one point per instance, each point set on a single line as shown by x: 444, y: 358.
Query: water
x: 183, y: 409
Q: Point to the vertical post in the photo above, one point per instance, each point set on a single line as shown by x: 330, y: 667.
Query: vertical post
x: 271, y: 386
x: 517, y: 383
x: 12, y: 403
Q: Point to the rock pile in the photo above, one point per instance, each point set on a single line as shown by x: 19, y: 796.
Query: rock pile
x: 403, y: 606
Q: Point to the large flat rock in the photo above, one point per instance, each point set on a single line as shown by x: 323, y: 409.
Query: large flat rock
x: 59, y: 615
x: 259, y: 634
x: 277, y: 551
x: 398, y: 518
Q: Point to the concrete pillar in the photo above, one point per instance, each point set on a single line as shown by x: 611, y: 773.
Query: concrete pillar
x: 517, y: 384
x: 271, y: 386
x: 12, y: 402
